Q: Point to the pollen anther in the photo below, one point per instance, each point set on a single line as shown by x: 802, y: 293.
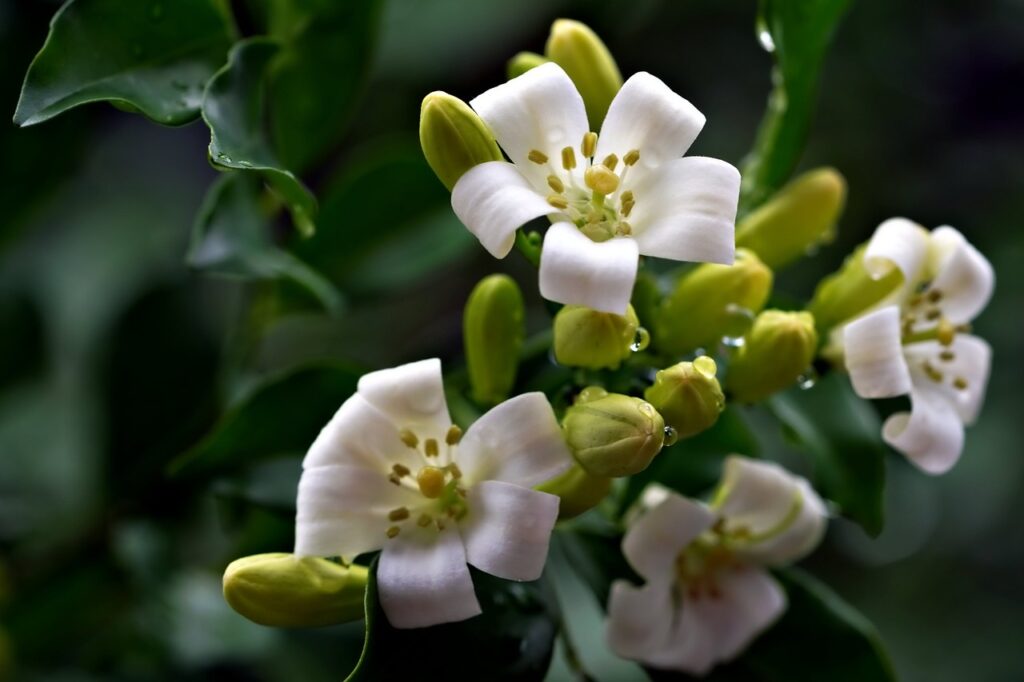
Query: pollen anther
x: 558, y: 201
x: 589, y: 145
x: 430, y: 447
x: 454, y: 435
x: 555, y: 184
x: 409, y: 438
x: 399, y: 514
x: 611, y: 161
x: 631, y: 157
x: 568, y: 158
x: 538, y: 157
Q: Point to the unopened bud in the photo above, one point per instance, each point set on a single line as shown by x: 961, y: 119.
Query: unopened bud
x: 584, y: 57
x: 453, y: 137
x: 284, y: 590
x: 577, y: 490
x: 688, y: 396
x: 712, y: 302
x: 850, y: 291
x: 523, y: 62
x: 613, y: 435
x: 797, y: 218
x: 778, y: 349
x: 592, y: 339
x: 493, y: 330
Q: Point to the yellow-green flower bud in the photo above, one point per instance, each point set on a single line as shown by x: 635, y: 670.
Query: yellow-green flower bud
x: 577, y: 490
x: 595, y: 340
x: 613, y: 435
x: 453, y: 137
x: 523, y: 62
x: 578, y: 50
x: 778, y: 349
x: 850, y: 291
x: 712, y: 302
x: 493, y: 327
x: 283, y: 590
x: 688, y: 396
x: 800, y: 216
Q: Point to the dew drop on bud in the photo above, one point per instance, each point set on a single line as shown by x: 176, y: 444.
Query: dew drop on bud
x: 641, y: 341
x: 738, y: 322
x: 591, y: 393
x: 807, y: 379
x: 670, y: 437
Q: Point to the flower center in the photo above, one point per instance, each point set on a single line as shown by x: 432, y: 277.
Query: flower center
x: 438, y: 480
x: 703, y: 560
x: 923, y: 320
x: 598, y: 208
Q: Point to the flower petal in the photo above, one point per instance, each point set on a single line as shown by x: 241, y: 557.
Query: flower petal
x: 423, y: 580
x: 686, y: 210
x: 783, y: 515
x: 575, y: 270
x: 963, y: 275
x: 518, y: 441
x: 654, y: 540
x: 639, y: 619
x: 898, y: 243
x: 970, y: 360
x: 540, y: 110
x: 493, y: 200
x: 930, y: 435
x: 748, y: 601
x: 360, y: 435
x: 508, y: 529
x: 412, y: 396
x: 874, y: 355
x: 648, y: 116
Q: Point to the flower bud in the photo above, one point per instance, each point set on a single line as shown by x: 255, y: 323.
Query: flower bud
x: 578, y: 50
x: 283, y: 590
x: 778, y: 349
x: 577, y: 490
x: 492, y: 333
x: 798, y: 217
x: 850, y: 291
x: 453, y: 137
x: 613, y: 435
x: 523, y: 62
x: 592, y: 339
x: 711, y: 302
x: 688, y: 396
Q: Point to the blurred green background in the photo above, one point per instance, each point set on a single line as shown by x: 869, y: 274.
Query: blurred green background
x: 115, y: 357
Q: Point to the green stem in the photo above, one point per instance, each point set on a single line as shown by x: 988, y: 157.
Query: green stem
x: 529, y: 246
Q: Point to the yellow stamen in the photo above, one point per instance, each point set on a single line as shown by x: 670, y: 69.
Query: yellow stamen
x: 933, y: 314
x: 947, y: 356
x: 558, y: 201
x: 960, y: 383
x: 431, y: 482
x: 625, y: 229
x: 430, y: 447
x: 601, y: 179
x: 424, y: 520
x: 934, y: 296
x: 393, y: 531
x: 400, y: 470
x: 568, y: 158
x: 538, y: 157
x: 455, y: 471
x: 394, y: 479
x: 399, y: 514
x: 454, y: 435
x: 555, y: 184
x: 589, y: 144
x: 611, y: 161
x: 933, y: 374
x: 946, y: 332
x: 627, y: 208
x: 631, y: 157
x: 409, y: 438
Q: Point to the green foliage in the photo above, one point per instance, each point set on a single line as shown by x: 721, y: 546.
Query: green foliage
x: 154, y: 57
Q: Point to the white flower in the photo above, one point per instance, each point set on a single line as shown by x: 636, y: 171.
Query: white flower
x: 391, y: 472
x: 919, y: 344
x: 707, y: 595
x: 590, y: 185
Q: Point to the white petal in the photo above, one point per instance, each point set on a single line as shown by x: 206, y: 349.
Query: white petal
x: 411, y: 395
x: 686, y: 210
x: 971, y: 361
x: 518, y: 441
x: 648, y: 116
x: 963, y: 275
x: 691, y: 647
x: 874, y: 355
x: 639, y: 619
x: 930, y: 435
x: 654, y: 540
x: 493, y: 200
x: 898, y: 243
x: 360, y: 435
x: 342, y: 510
x: 747, y: 602
x: 423, y: 580
x: 508, y: 528
x: 539, y: 110
x: 577, y: 271
x: 782, y: 513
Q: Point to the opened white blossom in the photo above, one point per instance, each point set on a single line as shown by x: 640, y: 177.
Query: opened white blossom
x: 919, y: 345
x: 707, y: 593
x: 611, y: 196
x: 391, y: 472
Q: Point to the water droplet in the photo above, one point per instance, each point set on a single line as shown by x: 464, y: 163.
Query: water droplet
x: 807, y: 379
x: 671, y: 436
x: 156, y: 12
x: 551, y: 357
x: 641, y: 340
x: 737, y: 322
x: 591, y: 393
x: 766, y: 40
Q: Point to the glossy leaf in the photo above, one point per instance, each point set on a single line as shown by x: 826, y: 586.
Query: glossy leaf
x: 280, y: 416
x: 798, y: 34
x: 154, y: 57
x: 234, y: 109
x: 843, y: 435
x: 232, y: 237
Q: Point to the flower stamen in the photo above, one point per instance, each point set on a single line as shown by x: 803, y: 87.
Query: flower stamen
x: 538, y: 157
x: 409, y: 438
x: 568, y: 158
x: 431, y: 482
x: 555, y: 184
x: 589, y: 145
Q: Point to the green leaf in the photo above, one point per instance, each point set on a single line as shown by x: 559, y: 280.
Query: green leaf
x: 843, y: 435
x: 282, y: 415
x: 233, y: 108
x: 798, y: 34
x: 153, y: 57
x: 322, y: 71
x: 231, y: 237
x: 512, y: 639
